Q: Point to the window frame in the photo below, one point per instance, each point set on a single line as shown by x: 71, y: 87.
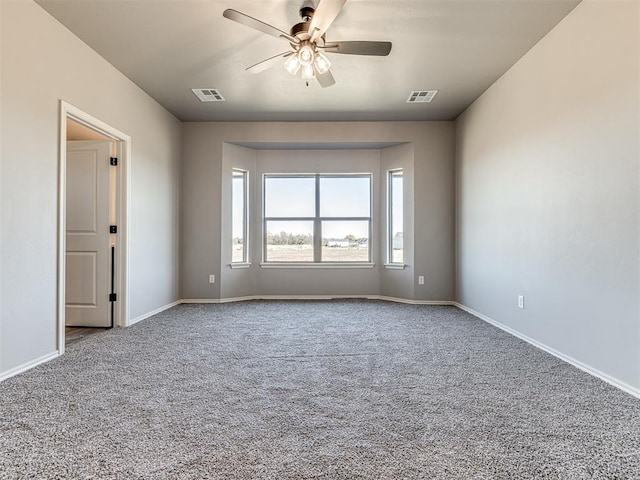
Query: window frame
x: 237, y: 172
x: 390, y: 263
x: 317, y: 222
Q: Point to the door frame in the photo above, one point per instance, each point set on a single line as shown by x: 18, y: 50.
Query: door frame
x: 123, y: 147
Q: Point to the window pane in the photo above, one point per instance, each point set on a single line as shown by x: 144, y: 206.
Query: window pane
x: 238, y: 229
x: 290, y: 241
x: 345, y: 241
x: 290, y: 196
x: 345, y: 196
x: 396, y: 218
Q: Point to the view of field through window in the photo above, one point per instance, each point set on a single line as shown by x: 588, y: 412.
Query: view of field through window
x: 317, y: 218
x: 396, y: 234
x: 239, y: 215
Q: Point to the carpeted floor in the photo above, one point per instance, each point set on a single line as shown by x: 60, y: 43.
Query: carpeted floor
x: 313, y: 390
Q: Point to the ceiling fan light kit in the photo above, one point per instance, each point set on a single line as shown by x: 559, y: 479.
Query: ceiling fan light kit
x: 309, y: 59
x: 307, y: 41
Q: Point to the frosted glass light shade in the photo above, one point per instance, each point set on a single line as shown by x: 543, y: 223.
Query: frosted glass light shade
x: 292, y: 64
x: 322, y: 63
x: 307, y: 72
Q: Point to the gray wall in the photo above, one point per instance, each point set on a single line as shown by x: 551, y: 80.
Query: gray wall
x: 284, y: 281
x: 239, y: 282
x: 206, y: 182
x: 547, y: 192
x: 43, y: 63
x: 400, y: 283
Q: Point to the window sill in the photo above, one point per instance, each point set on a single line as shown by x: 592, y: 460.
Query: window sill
x: 317, y: 265
x: 394, y: 266
x: 239, y: 265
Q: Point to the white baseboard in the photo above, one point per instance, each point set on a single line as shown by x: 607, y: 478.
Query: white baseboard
x: 566, y: 358
x: 415, y: 302
x: 215, y: 300
x: 153, y: 312
x: 318, y: 297
x: 28, y: 366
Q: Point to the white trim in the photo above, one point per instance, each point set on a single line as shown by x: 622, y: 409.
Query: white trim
x: 317, y: 297
x: 123, y: 214
x: 216, y: 300
x: 62, y: 221
x: 566, y: 358
x: 154, y: 312
x: 446, y: 303
x: 317, y: 265
x: 28, y: 366
x: 240, y: 265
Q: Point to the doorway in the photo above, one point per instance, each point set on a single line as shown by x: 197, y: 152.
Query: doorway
x: 93, y: 224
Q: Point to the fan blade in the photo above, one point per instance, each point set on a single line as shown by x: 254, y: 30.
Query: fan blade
x: 268, y: 63
x: 380, y: 49
x: 326, y: 12
x: 257, y: 25
x: 326, y: 79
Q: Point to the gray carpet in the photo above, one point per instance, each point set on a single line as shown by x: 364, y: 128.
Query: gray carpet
x: 313, y: 390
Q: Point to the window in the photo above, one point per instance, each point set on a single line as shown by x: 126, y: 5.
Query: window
x: 395, y: 217
x: 239, y: 197
x: 317, y: 218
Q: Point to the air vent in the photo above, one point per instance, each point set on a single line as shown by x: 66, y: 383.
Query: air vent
x: 208, y: 94
x: 421, y: 96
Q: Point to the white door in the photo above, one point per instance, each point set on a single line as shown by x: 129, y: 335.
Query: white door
x: 88, y: 253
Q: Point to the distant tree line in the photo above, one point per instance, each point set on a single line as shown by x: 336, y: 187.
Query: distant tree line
x: 284, y: 238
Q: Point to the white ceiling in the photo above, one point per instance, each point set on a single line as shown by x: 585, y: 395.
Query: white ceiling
x: 167, y: 47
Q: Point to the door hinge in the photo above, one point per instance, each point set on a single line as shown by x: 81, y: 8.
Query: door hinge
x: 113, y: 297
x: 113, y: 229
x: 113, y: 161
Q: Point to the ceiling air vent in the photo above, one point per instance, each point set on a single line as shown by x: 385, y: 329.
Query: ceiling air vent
x: 421, y: 96
x: 208, y: 94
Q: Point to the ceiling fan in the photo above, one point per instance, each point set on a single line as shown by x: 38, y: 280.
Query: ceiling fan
x: 308, y: 43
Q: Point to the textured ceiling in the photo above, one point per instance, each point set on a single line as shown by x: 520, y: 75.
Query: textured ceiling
x: 167, y: 47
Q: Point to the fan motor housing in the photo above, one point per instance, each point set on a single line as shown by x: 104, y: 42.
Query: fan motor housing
x: 300, y: 28
x: 301, y: 31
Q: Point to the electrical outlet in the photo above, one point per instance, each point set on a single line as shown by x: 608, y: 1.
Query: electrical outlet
x: 421, y: 280
x: 212, y: 279
x: 520, y: 301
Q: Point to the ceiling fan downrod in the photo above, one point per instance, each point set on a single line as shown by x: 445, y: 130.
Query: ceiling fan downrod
x: 306, y: 13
